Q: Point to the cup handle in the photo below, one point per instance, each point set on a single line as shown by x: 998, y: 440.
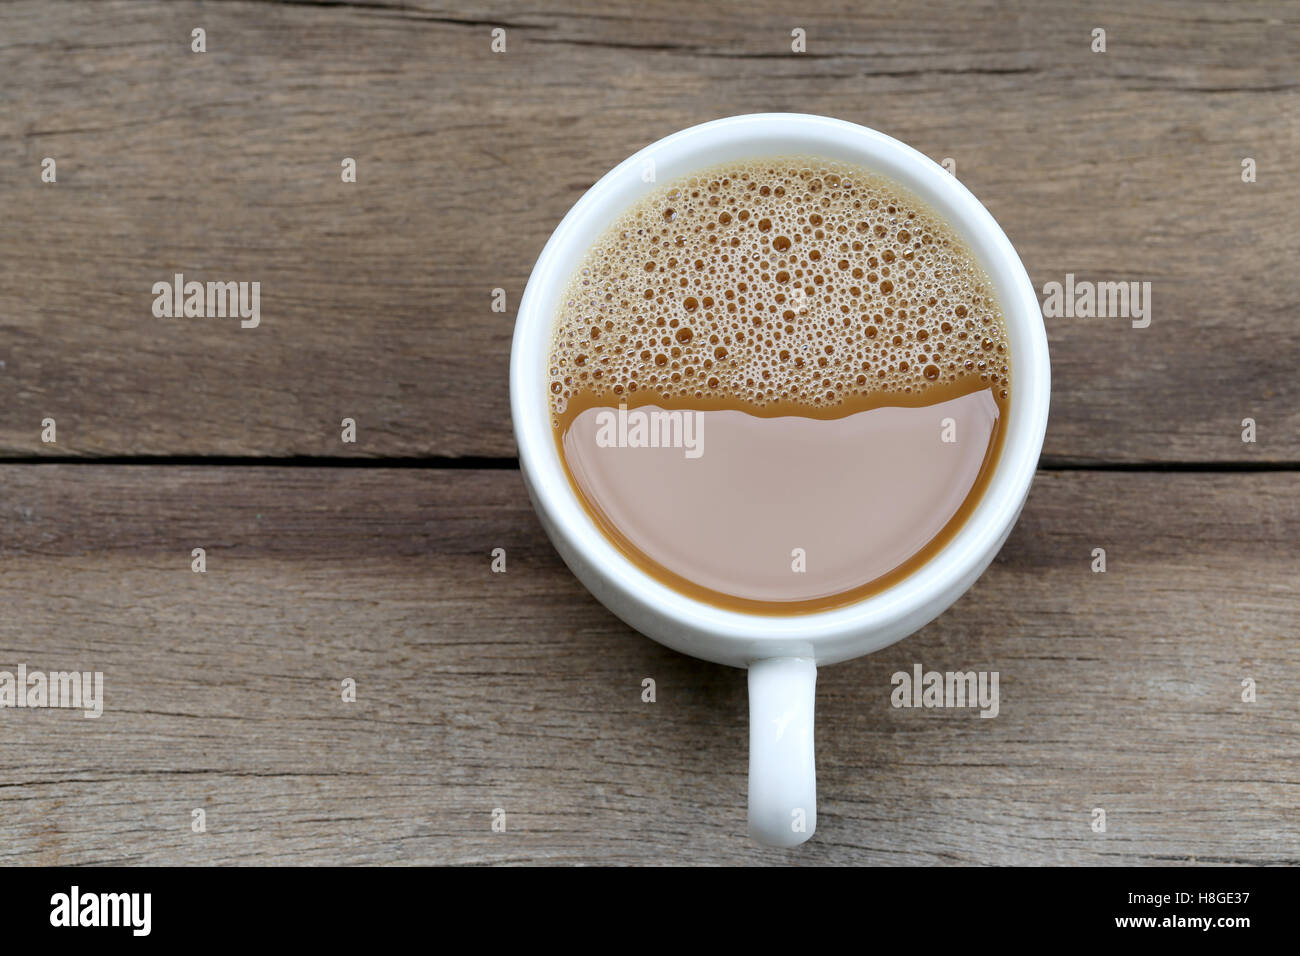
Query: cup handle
x: 782, y: 766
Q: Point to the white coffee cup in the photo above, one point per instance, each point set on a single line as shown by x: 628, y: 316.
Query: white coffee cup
x: 781, y: 653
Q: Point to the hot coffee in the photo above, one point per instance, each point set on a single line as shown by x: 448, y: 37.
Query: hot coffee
x: 779, y: 385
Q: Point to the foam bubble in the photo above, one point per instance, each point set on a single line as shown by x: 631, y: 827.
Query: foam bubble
x: 796, y: 281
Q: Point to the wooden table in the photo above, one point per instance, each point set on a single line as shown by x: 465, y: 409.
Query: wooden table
x: 371, y: 561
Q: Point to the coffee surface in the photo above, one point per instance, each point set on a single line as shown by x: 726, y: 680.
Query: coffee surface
x: 799, y: 306
x: 787, y: 510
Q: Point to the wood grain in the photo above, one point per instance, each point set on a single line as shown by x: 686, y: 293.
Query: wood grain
x: 478, y: 690
x: 376, y: 296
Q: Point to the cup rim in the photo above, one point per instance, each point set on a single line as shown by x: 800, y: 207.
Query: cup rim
x: 970, y: 548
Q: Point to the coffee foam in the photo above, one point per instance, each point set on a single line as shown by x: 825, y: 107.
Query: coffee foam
x: 771, y: 283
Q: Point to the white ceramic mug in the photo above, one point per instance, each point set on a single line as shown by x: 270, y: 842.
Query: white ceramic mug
x: 781, y: 653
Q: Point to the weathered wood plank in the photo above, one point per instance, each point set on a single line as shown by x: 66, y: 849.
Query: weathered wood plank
x: 376, y: 296
x: 478, y: 690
